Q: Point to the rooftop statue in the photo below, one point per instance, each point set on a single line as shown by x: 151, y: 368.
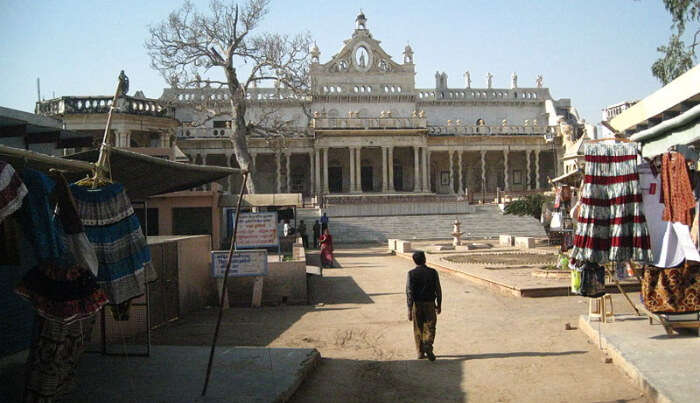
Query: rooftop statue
x: 467, y: 79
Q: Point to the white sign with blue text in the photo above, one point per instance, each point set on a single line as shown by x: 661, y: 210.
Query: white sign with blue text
x: 252, y: 262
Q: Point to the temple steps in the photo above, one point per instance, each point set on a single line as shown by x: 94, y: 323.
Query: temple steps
x: 486, y: 222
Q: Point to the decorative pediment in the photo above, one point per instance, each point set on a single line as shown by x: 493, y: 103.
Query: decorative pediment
x: 361, y: 54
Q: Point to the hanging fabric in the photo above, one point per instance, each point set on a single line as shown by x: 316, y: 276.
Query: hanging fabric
x: 12, y: 190
x: 678, y: 195
x: 62, y: 290
x: 115, y: 233
x: 611, y: 224
x: 671, y: 243
x: 59, y: 287
x: 672, y: 290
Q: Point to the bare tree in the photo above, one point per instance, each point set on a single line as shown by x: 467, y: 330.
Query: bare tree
x: 189, y: 44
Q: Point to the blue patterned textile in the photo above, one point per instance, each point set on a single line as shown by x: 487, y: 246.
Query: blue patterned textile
x: 115, y: 233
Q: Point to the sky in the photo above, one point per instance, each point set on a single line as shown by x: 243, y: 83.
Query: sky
x: 595, y: 52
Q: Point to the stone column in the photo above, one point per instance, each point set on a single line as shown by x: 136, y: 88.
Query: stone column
x: 325, y: 170
x: 351, y: 154
x: 358, y: 168
x: 385, y: 168
x: 506, y: 185
x: 427, y: 168
x: 391, y: 169
x: 452, y: 171
x: 122, y: 138
x: 483, y: 171
x: 278, y: 160
x: 289, y: 173
x: 460, y: 185
x: 424, y: 152
x: 164, y: 140
x: 537, y: 169
x: 312, y: 174
x: 204, y: 162
x: 317, y: 171
x: 529, y: 171
x: 416, y: 170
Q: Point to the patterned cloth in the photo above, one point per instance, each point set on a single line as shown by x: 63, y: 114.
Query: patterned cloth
x: 675, y: 290
x: 60, y: 287
x: 677, y: 192
x: 115, y: 233
x: 12, y: 190
x: 611, y: 225
x: 53, y: 358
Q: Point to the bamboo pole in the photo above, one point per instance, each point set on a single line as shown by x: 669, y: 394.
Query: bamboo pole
x: 106, y: 138
x: 223, y: 287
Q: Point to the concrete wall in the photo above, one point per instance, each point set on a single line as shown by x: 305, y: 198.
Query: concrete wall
x: 166, y: 203
x: 284, y: 283
x: 196, y: 287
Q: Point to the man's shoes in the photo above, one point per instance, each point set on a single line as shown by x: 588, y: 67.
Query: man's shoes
x: 431, y: 356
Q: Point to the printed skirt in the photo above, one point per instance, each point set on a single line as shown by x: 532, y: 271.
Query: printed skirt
x: 611, y: 225
x: 115, y: 233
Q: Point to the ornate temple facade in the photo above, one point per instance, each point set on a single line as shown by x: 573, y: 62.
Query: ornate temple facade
x: 365, y: 129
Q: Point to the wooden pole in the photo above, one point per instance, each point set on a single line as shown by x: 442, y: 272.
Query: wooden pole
x: 223, y: 287
x: 613, y: 276
x: 106, y: 138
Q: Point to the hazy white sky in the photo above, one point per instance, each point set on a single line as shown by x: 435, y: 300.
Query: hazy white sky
x: 596, y: 52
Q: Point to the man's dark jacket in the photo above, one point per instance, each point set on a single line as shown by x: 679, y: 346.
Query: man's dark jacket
x: 423, y: 284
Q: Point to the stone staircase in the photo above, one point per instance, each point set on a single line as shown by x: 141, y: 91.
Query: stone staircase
x: 486, y: 222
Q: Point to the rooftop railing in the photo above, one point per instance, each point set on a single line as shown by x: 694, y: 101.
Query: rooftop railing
x: 368, y: 123
x: 507, y: 130
x: 101, y: 104
x: 482, y: 94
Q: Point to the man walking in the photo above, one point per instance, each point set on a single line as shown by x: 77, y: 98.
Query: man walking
x: 324, y: 222
x: 424, y: 298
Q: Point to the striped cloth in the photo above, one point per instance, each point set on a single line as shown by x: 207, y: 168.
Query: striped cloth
x: 115, y: 233
x: 611, y: 226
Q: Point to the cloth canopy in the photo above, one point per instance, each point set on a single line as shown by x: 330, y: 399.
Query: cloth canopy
x: 141, y: 175
x: 144, y: 176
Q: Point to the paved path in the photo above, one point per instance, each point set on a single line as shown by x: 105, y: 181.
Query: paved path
x: 490, y: 347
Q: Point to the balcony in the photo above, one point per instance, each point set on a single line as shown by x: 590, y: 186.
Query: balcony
x: 368, y: 123
x: 508, y: 130
x: 222, y: 133
x: 198, y: 96
x: 483, y: 94
x: 101, y: 104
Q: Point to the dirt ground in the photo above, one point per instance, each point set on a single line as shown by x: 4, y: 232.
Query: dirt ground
x: 489, y: 347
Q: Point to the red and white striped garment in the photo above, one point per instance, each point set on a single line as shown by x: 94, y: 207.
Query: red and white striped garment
x: 611, y: 225
x: 12, y: 190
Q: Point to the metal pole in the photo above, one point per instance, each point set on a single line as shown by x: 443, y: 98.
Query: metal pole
x: 223, y: 287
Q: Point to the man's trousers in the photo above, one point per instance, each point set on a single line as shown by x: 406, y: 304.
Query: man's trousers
x: 424, y: 320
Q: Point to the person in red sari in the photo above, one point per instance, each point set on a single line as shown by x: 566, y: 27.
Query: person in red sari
x: 326, y: 241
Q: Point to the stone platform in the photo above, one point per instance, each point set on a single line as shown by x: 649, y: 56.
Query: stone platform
x: 665, y: 367
x: 176, y: 374
x: 517, y: 281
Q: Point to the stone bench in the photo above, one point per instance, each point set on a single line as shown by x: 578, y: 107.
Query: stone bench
x: 524, y: 242
x: 506, y: 240
x: 403, y: 246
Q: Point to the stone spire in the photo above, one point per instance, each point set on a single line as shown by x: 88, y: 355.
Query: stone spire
x: 315, y: 53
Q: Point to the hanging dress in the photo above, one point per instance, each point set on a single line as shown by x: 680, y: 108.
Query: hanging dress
x: 12, y: 190
x: 115, y: 233
x: 611, y: 225
x: 61, y: 287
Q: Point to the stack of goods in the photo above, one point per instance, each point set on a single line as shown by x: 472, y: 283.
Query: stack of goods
x: 61, y: 286
x: 671, y: 284
x: 611, y: 224
x: 115, y: 233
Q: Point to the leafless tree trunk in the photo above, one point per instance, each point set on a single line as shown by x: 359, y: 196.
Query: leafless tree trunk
x: 189, y: 43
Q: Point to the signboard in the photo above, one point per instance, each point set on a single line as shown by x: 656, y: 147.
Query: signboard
x: 256, y: 230
x: 243, y: 263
